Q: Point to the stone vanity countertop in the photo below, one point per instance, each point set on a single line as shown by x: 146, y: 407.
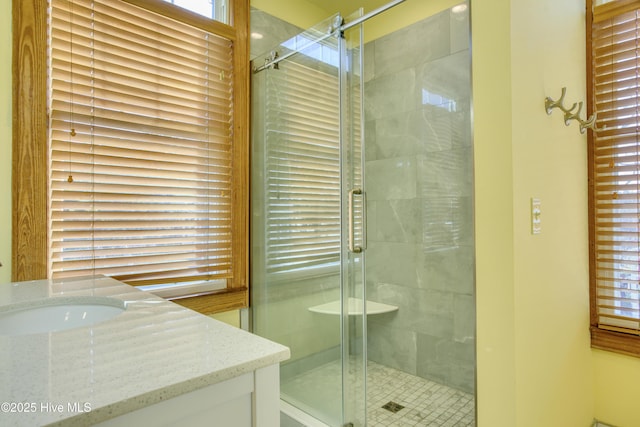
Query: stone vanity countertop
x: 153, y: 351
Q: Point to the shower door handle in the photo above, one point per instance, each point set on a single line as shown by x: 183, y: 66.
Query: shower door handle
x: 352, y: 246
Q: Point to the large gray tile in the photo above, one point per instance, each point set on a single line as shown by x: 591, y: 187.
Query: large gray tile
x: 402, y: 297
x: 397, y: 221
x: 444, y: 81
x: 464, y: 321
x: 441, y: 228
x: 370, y: 138
x: 413, y: 132
x: 368, y: 66
x: 428, y: 347
x: 392, y: 94
x: 447, y: 223
x: 449, y: 270
x: 391, y: 179
x: 434, y: 324
x: 434, y: 349
x: 418, y: 43
x: 439, y: 131
x: 423, y: 311
x: 392, y: 263
x: 463, y: 377
x: 466, y: 214
x: 461, y: 125
x: 437, y: 371
x: 445, y: 173
x: 392, y: 347
x: 399, y: 135
x: 459, y: 27
x: 458, y: 354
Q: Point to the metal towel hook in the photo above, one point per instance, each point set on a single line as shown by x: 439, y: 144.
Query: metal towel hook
x: 569, y: 114
x: 550, y: 104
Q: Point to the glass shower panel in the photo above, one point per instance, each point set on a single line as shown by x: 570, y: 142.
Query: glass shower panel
x: 298, y: 204
x: 308, y: 234
x: 354, y: 319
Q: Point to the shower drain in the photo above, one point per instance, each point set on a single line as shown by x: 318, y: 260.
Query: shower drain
x: 392, y: 406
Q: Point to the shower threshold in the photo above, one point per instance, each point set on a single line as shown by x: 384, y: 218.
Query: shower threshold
x: 295, y: 417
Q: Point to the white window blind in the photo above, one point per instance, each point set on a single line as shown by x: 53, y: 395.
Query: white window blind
x: 616, y: 166
x: 141, y: 119
x: 302, y: 167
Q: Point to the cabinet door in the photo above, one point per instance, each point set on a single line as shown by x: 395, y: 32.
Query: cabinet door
x: 228, y: 403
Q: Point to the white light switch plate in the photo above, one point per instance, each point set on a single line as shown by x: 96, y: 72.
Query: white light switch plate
x: 536, y: 216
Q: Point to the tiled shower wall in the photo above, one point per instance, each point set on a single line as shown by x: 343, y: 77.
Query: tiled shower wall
x: 419, y: 185
x: 418, y: 151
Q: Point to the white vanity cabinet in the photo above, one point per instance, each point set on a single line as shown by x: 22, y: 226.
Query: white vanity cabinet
x: 250, y: 400
x: 154, y: 364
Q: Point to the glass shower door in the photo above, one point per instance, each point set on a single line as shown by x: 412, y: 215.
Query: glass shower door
x: 354, y: 319
x: 307, y: 219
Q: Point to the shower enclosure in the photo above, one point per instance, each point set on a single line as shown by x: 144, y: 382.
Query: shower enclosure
x: 362, y: 247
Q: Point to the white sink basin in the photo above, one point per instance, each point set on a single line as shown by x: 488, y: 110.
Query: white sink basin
x: 57, y: 314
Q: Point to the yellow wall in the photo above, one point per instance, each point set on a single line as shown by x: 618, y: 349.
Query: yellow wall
x: 533, y: 342
x: 230, y: 317
x: 5, y: 141
x: 534, y: 358
x: 297, y: 12
x: 617, y: 386
x: 553, y: 356
x: 493, y: 163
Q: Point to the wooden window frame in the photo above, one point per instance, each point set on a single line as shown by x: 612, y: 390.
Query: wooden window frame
x: 604, y: 339
x: 29, y: 147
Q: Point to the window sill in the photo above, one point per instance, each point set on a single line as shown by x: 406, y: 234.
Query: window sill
x: 215, y: 302
x: 179, y: 290
x: 617, y: 342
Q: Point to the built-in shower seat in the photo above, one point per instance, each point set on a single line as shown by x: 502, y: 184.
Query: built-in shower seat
x: 355, y: 307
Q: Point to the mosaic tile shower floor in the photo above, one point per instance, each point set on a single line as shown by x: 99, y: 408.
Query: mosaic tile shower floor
x: 424, y: 402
